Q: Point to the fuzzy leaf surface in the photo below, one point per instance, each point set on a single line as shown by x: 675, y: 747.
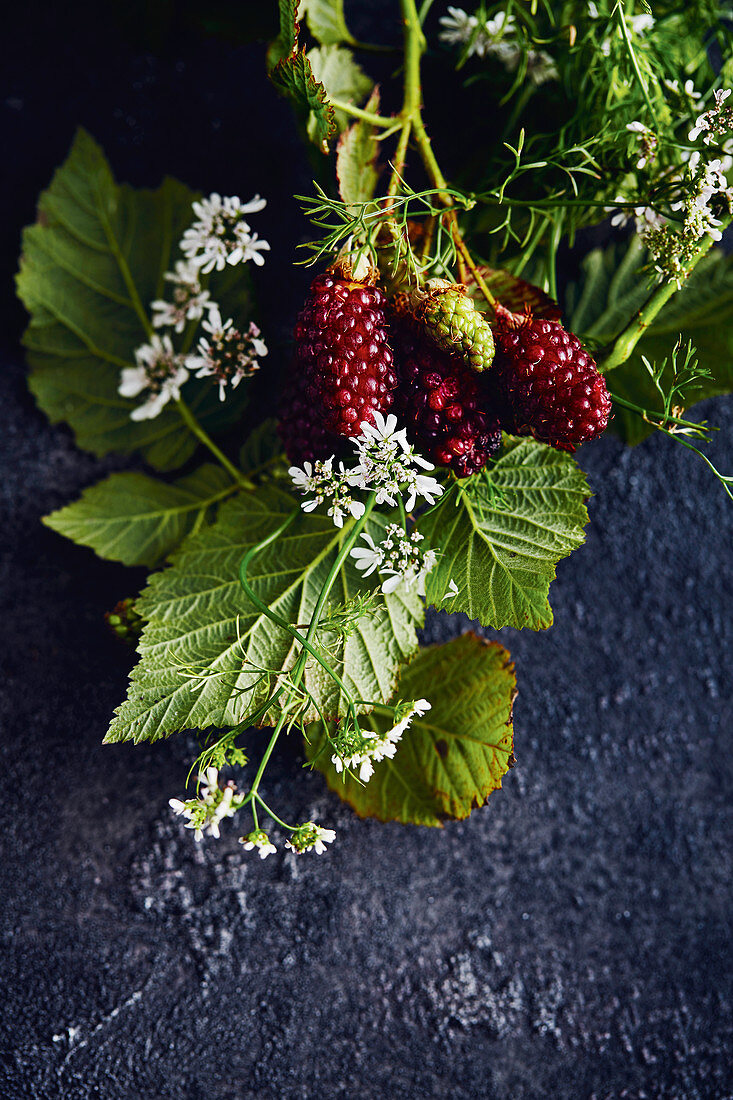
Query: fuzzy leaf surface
x: 342, y: 78
x: 200, y: 623
x: 326, y: 21
x: 449, y: 761
x: 293, y: 77
x: 500, y: 540
x: 614, y: 287
x: 138, y: 520
x: 514, y: 294
x: 89, y: 269
x: 356, y: 159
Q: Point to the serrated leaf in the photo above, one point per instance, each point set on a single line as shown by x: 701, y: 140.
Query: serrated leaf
x: 287, y: 40
x: 89, y: 269
x: 614, y: 286
x: 327, y: 22
x: 262, y: 449
x: 293, y: 77
x: 356, y: 159
x: 138, y: 520
x: 449, y: 761
x: 201, y: 624
x: 499, y: 540
x: 342, y: 79
x: 514, y: 294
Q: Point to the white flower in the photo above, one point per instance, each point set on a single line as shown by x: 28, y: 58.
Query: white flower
x: 398, y: 558
x: 327, y: 483
x: 641, y: 23
x: 309, y: 837
x: 460, y: 29
x: 159, y: 372
x: 372, y: 748
x: 389, y: 466
x: 259, y: 840
x: 220, y: 235
x: 189, y: 300
x: 451, y: 591
x: 212, y: 805
x: 227, y: 355
x: 647, y: 140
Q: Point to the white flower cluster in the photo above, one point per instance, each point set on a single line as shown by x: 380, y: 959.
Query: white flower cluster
x: 259, y: 840
x: 328, y: 483
x: 495, y: 37
x: 647, y: 141
x: 310, y: 837
x: 714, y: 123
x: 397, y: 557
x: 387, y: 464
x: 227, y: 355
x: 372, y: 748
x: 709, y: 186
x: 189, y: 300
x: 218, y: 237
x: 212, y: 805
x: 159, y: 373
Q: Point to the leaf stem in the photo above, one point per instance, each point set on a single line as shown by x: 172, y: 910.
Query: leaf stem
x: 203, y: 436
x: 358, y: 112
x: 299, y: 668
x: 629, y: 336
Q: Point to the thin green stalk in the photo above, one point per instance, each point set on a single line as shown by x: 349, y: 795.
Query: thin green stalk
x: 552, y: 247
x: 358, y: 112
x: 203, y: 436
x: 629, y: 337
x: 299, y: 667
x: 634, y: 63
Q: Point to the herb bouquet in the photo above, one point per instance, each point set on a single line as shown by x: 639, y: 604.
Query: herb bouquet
x: 423, y: 455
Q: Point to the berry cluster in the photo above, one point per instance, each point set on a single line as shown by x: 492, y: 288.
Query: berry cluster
x: 541, y: 383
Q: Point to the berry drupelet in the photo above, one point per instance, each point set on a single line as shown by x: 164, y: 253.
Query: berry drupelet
x: 546, y: 384
x: 342, y: 352
x: 445, y: 407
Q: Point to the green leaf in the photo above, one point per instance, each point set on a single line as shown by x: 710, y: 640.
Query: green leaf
x: 342, y: 79
x: 89, y: 269
x: 450, y: 760
x: 356, y: 159
x: 201, y: 624
x: 287, y: 39
x: 514, y: 294
x: 138, y: 520
x: 614, y: 286
x: 293, y: 77
x: 500, y: 537
x: 263, y: 450
x: 327, y: 22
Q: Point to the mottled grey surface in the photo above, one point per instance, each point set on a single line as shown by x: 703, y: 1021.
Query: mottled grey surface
x: 569, y: 940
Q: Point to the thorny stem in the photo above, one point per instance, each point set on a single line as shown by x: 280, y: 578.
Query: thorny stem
x: 629, y: 337
x: 358, y: 112
x: 203, y: 436
x: 412, y: 109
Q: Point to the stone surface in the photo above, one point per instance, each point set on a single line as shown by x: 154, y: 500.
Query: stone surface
x: 570, y: 940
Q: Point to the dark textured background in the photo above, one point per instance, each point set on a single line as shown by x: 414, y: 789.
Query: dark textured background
x: 570, y: 940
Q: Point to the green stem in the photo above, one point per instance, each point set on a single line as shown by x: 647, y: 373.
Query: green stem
x: 299, y: 667
x: 358, y: 112
x: 657, y: 419
x: 193, y: 425
x: 629, y: 337
x: 400, y: 156
x: 552, y: 247
x: 634, y: 63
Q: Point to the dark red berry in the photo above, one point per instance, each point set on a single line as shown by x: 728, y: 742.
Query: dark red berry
x: 547, y: 385
x: 341, y: 350
x: 303, y: 433
x: 445, y: 407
